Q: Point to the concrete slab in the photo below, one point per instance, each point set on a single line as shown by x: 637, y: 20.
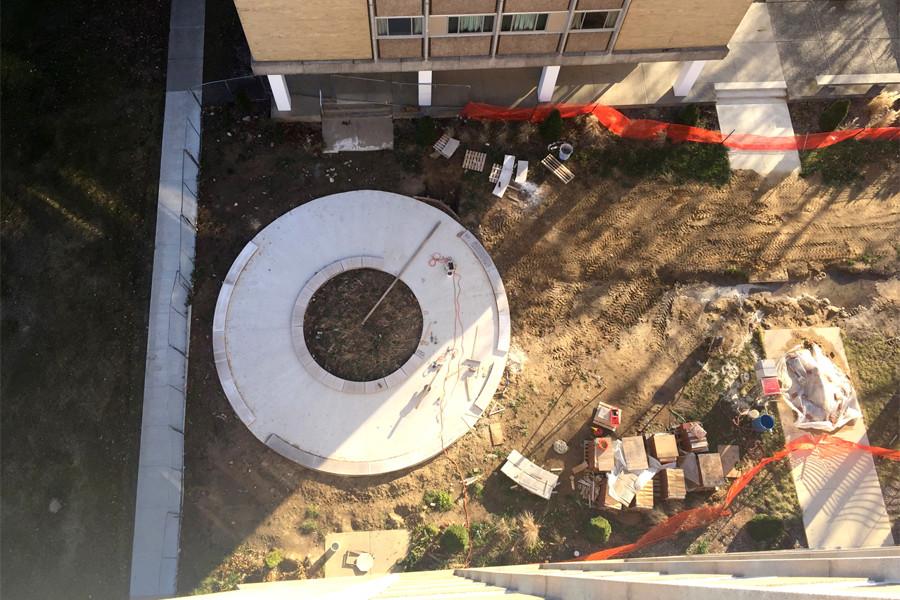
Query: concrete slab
x: 387, y: 547
x: 357, y: 134
x: 840, y: 495
x: 314, y: 421
x: 769, y: 117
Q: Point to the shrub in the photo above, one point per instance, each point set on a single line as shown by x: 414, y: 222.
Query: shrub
x: 455, y: 539
x: 688, y: 115
x: 311, y: 512
x: 309, y: 526
x: 599, y: 530
x: 832, y: 116
x: 531, y: 531
x: 551, y: 128
x: 274, y: 558
x: 765, y: 528
x: 426, y: 131
x: 438, y: 500
x: 477, y: 490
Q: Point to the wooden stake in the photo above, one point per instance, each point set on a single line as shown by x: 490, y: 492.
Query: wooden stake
x: 397, y: 277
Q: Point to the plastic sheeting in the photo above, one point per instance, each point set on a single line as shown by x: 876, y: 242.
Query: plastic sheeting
x: 818, y: 392
x: 623, y: 489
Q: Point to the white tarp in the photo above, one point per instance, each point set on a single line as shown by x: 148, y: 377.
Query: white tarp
x: 818, y: 392
x: 623, y: 488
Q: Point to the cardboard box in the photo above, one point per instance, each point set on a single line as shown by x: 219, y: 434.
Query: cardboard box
x: 664, y: 447
x: 711, y: 475
x: 635, y: 454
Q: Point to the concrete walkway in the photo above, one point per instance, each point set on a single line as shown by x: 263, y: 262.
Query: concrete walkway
x: 157, y: 521
x: 840, y: 495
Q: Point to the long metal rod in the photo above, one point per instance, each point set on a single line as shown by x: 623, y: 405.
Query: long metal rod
x: 399, y: 273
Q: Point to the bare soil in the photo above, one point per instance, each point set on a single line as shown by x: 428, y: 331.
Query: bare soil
x: 340, y: 343
x: 617, y: 280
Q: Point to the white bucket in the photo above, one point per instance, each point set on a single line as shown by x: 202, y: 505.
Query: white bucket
x: 565, y: 151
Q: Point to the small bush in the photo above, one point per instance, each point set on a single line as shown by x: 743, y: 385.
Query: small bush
x: 688, y: 115
x: 309, y: 526
x: 455, y: 539
x: 599, y: 530
x: 551, y: 127
x: 426, y: 131
x: 311, y: 512
x: 765, y: 528
x: 832, y: 116
x: 477, y: 490
x: 438, y: 500
x: 274, y: 558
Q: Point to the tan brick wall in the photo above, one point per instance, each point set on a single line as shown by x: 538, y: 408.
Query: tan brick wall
x: 588, y: 42
x: 293, y: 30
x: 535, y: 5
x: 528, y: 44
x: 462, y: 7
x: 461, y: 46
x: 661, y: 24
x: 402, y: 8
x: 598, y: 4
x: 405, y: 48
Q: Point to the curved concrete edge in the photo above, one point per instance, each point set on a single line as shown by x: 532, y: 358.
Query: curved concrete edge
x: 504, y: 324
x: 298, y: 339
x: 220, y: 352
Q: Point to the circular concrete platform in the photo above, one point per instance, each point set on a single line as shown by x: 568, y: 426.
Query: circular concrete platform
x: 312, y: 417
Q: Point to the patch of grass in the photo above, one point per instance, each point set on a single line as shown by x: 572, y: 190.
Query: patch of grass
x: 701, y: 547
x: 309, y: 527
x: 426, y: 132
x: 311, y: 512
x: 477, y: 490
x: 688, y: 115
x: 274, y: 558
x: 421, y: 540
x: 844, y: 162
x: 766, y: 529
x: 599, y: 530
x: 636, y: 159
x: 438, y: 500
x: 213, y: 584
x: 455, y: 539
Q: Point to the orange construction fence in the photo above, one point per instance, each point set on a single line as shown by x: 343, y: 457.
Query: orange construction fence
x: 647, y: 129
x: 703, y: 515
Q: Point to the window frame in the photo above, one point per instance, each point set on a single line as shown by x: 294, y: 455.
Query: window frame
x: 483, y: 31
x: 545, y: 15
x: 581, y: 13
x: 390, y: 36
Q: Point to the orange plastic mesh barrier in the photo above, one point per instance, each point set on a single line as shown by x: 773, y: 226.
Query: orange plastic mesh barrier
x: 703, y: 515
x: 647, y: 129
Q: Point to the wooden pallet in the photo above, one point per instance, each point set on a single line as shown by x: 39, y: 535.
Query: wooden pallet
x: 474, y: 161
x: 561, y: 171
x: 494, y: 177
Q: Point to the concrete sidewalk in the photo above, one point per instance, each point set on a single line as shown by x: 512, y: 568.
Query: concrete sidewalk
x: 157, y: 519
x: 840, y: 495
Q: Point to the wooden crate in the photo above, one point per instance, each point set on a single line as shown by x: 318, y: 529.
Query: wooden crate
x: 635, y: 454
x: 711, y: 475
x: 691, y: 468
x: 609, y: 501
x: 664, y: 448
x: 671, y: 484
x: 598, y: 454
x: 731, y: 456
x: 643, y: 500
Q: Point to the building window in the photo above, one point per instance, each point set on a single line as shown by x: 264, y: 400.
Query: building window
x: 524, y: 22
x: 595, y: 19
x: 400, y: 26
x: 471, y: 24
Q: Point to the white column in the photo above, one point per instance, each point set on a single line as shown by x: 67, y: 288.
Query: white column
x: 280, y: 92
x: 424, y: 88
x: 547, y: 83
x: 687, y: 77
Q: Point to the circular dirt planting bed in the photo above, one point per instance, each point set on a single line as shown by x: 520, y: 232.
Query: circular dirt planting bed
x: 344, y: 348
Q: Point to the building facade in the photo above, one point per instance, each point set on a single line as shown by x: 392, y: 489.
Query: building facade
x: 425, y: 39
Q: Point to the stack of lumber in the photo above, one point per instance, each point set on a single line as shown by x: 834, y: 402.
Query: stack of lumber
x: 671, y: 484
x: 711, y: 475
x: 643, y: 499
x: 592, y: 488
x: 731, y: 456
x: 529, y: 476
x: 663, y: 447
x: 690, y: 467
x: 692, y: 437
x: 635, y: 454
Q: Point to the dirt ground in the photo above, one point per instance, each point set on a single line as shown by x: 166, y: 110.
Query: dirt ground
x: 616, y: 281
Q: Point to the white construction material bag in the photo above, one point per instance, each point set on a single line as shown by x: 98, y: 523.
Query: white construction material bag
x: 818, y: 392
